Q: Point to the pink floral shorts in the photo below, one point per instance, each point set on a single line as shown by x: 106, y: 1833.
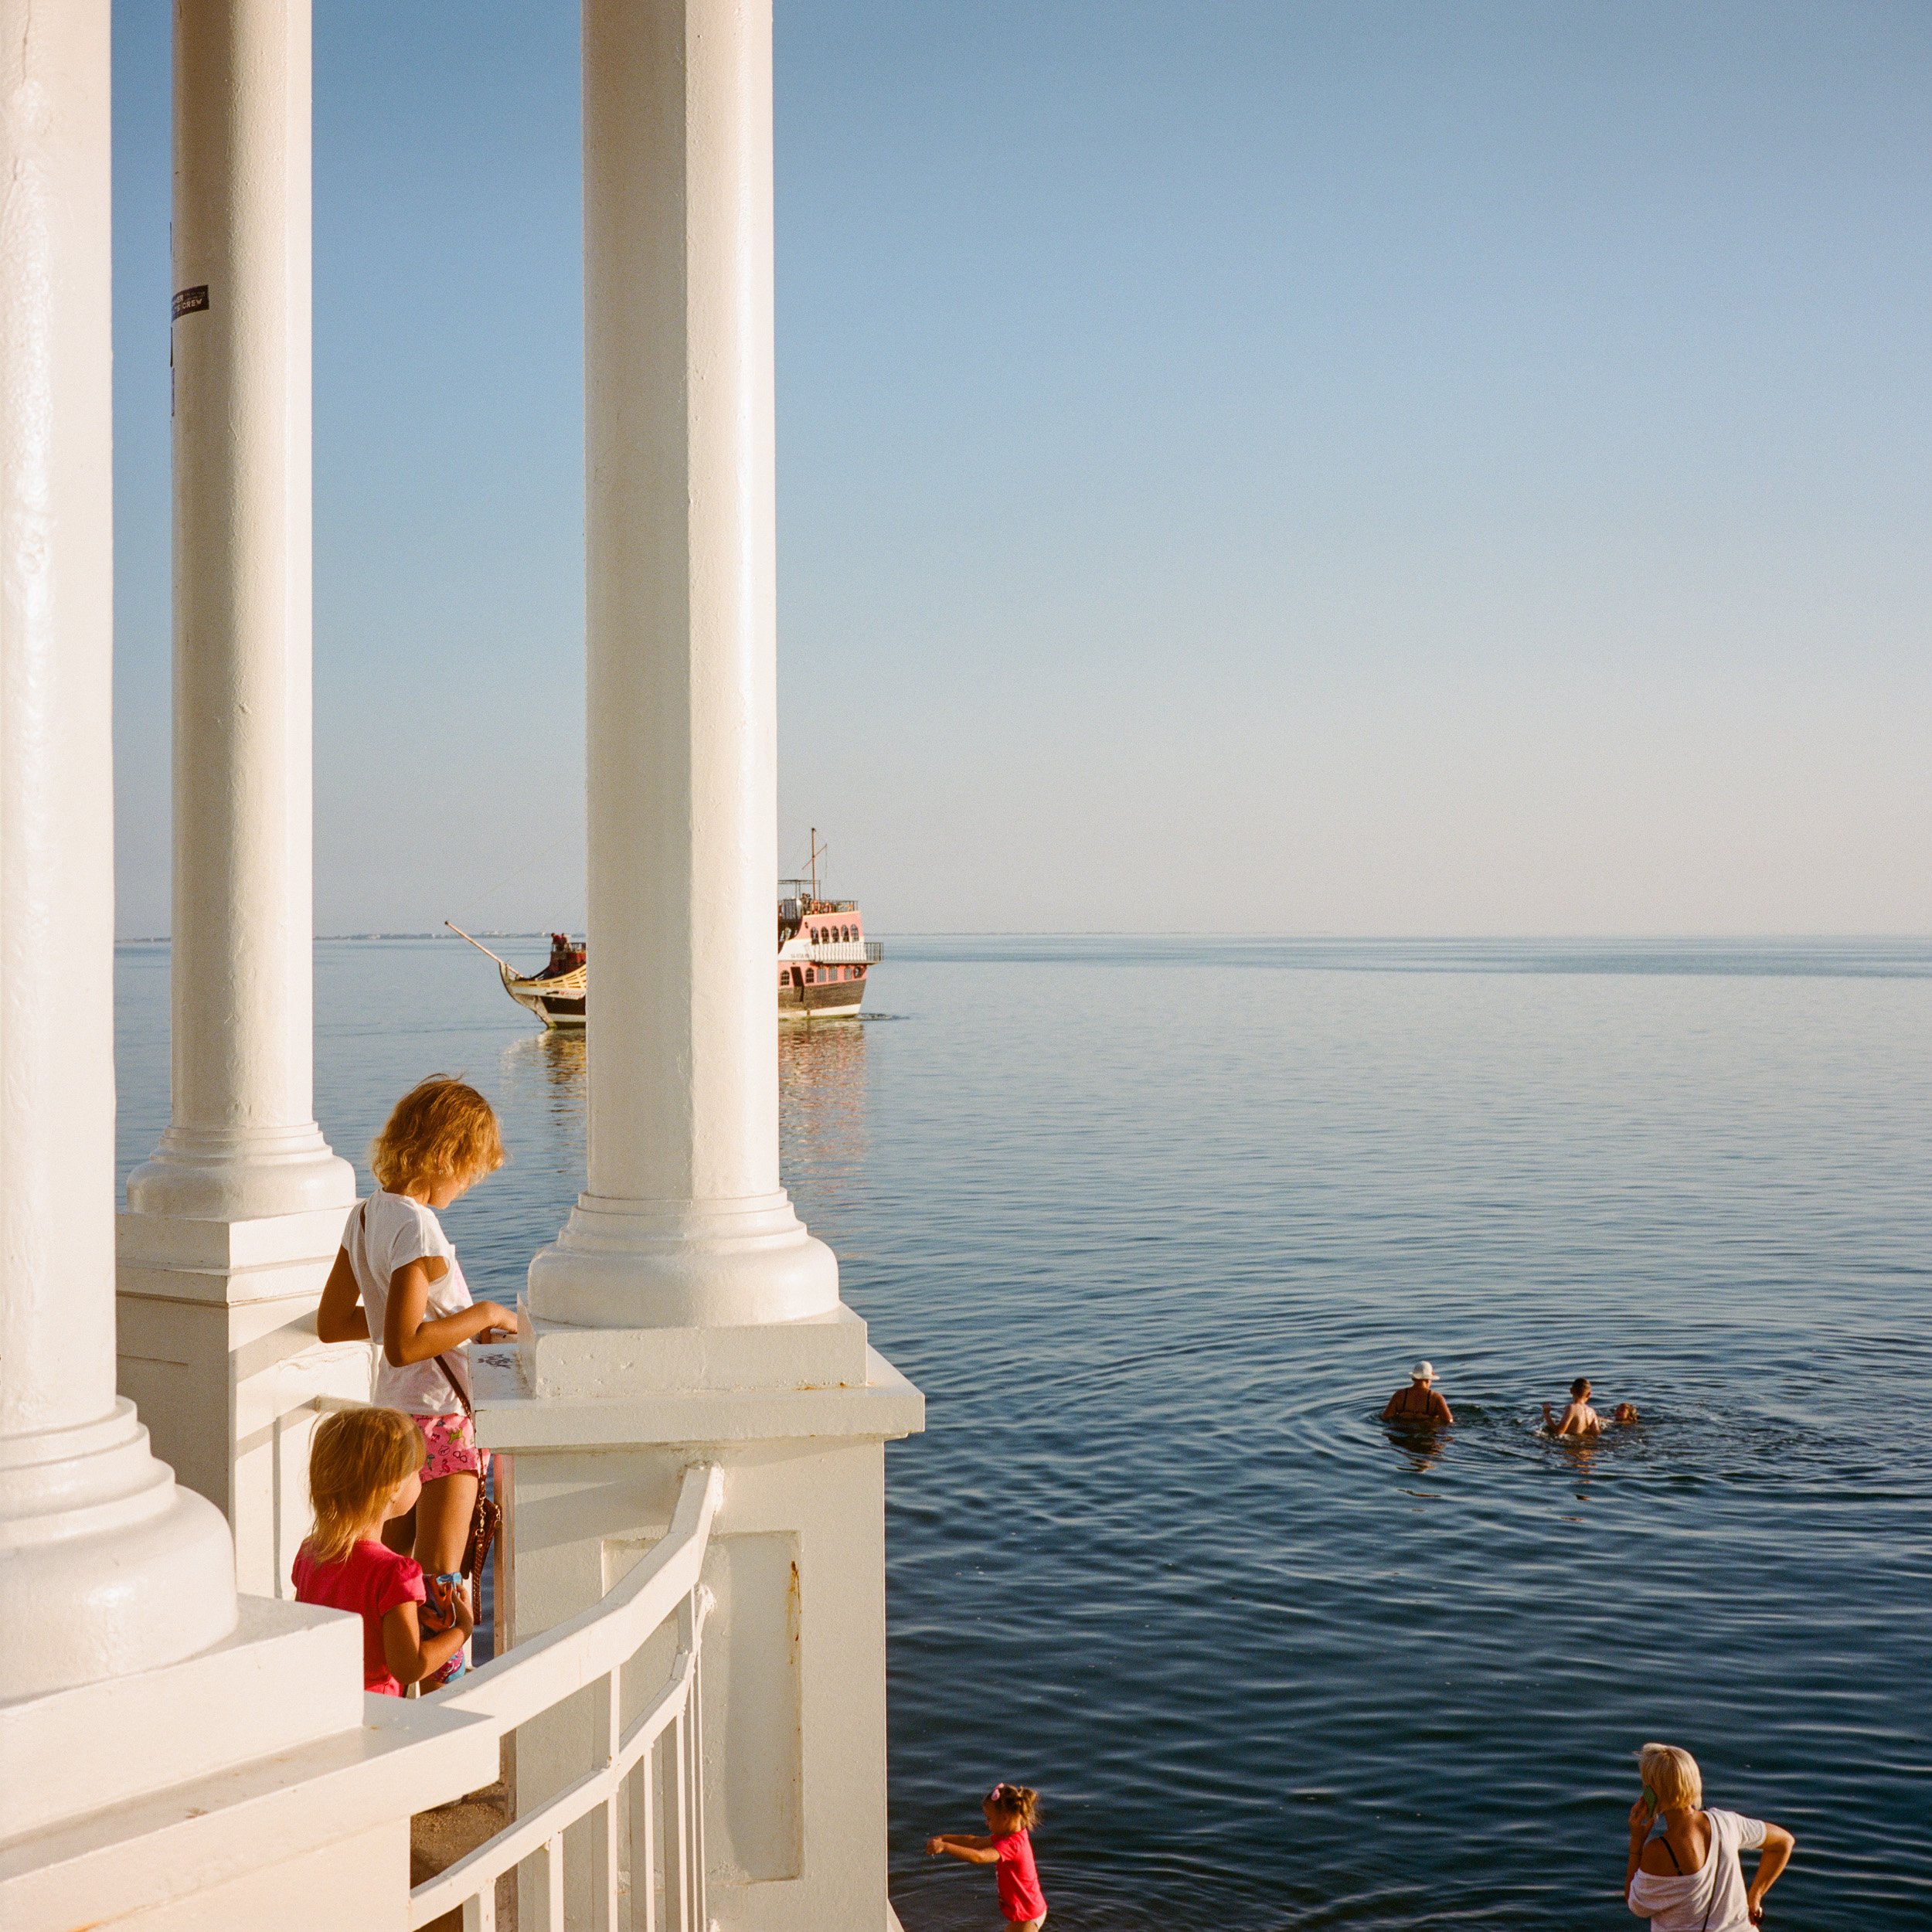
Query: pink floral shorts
x: 450, y: 1446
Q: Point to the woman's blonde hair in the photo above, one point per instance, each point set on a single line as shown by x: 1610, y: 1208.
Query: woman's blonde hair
x: 358, y: 1457
x: 1018, y: 1804
x: 1672, y: 1776
x: 440, y: 1130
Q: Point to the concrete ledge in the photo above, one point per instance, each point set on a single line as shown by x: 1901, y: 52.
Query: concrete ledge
x: 568, y: 1362
x: 175, y: 1241
x: 291, y: 1281
x: 401, y: 1758
x: 509, y: 1418
x: 290, y: 1673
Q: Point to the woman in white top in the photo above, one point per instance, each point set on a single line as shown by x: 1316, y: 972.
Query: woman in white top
x: 1684, y: 1874
x: 397, y: 1263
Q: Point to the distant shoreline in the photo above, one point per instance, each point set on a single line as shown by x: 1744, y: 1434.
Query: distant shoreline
x: 1270, y: 938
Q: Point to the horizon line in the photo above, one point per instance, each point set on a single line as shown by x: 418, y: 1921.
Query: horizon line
x: 1298, y: 938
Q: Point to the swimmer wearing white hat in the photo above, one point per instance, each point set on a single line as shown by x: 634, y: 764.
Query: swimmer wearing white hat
x: 1420, y: 1402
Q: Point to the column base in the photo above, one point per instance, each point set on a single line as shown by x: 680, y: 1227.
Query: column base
x: 221, y: 1173
x: 107, y: 1566
x: 683, y: 1264
x: 216, y: 1339
x: 560, y: 1362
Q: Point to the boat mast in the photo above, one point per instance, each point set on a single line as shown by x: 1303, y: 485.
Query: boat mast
x: 814, y: 862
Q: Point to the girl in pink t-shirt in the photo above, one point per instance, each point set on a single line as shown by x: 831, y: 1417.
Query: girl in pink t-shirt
x: 364, y: 1470
x: 1012, y: 1811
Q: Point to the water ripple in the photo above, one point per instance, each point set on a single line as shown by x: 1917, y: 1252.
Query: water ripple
x: 1158, y: 1224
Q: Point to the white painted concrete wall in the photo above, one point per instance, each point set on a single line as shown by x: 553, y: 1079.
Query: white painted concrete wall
x: 794, y: 1685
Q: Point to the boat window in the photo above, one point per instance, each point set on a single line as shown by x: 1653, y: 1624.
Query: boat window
x: 809, y: 979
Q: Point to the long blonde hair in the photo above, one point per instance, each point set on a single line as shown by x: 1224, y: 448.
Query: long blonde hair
x: 358, y: 1457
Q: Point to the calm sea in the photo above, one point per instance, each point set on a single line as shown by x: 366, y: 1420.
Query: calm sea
x: 1158, y: 1224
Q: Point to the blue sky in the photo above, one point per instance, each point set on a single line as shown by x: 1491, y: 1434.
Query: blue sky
x: 1355, y: 468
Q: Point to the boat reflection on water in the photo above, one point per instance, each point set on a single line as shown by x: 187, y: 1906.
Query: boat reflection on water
x: 543, y: 1073
x: 822, y: 1106
x: 822, y: 1101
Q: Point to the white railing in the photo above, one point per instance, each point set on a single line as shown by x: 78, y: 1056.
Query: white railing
x: 648, y: 1776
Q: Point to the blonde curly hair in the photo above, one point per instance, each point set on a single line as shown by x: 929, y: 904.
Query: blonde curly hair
x: 441, y: 1129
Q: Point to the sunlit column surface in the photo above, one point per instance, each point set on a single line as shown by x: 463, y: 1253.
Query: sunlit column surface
x: 105, y: 1567
x: 233, y: 1222
x: 684, y: 1311
x: 242, y: 1141
x: 683, y: 1222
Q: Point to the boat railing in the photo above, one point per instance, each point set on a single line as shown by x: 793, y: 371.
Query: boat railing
x: 847, y: 952
x: 643, y: 1791
x: 795, y: 895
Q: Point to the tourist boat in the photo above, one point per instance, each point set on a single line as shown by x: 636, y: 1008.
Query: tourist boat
x: 824, y: 959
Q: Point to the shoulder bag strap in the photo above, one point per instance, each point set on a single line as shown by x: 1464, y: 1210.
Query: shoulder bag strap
x: 456, y: 1372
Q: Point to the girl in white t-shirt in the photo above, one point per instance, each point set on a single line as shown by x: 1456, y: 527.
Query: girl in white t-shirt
x: 1684, y: 1874
x: 441, y: 1140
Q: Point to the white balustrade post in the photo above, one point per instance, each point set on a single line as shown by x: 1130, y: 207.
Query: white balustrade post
x: 684, y: 1312
x: 233, y: 1222
x: 105, y: 1566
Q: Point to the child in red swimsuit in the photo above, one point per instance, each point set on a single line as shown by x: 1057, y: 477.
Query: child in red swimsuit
x: 1012, y: 1811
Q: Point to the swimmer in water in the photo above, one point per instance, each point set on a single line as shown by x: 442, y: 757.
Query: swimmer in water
x: 1580, y: 1418
x: 1420, y: 1402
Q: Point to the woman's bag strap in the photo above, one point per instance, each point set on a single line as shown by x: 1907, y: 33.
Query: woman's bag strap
x: 456, y: 1372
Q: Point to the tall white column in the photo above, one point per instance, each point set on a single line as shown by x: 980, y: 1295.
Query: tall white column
x: 684, y: 1312
x: 683, y: 1223
x: 105, y: 1567
x: 243, y: 1142
x: 233, y: 1223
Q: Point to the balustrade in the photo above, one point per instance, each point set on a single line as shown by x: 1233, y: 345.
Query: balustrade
x: 644, y: 1790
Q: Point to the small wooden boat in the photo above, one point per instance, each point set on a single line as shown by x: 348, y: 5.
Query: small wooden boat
x: 824, y: 959
x: 556, y: 995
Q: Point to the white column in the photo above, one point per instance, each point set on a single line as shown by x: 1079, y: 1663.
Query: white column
x: 683, y: 1223
x: 105, y: 1567
x: 243, y: 1142
x: 128, y: 1666
x: 684, y: 1313
x: 233, y: 1223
